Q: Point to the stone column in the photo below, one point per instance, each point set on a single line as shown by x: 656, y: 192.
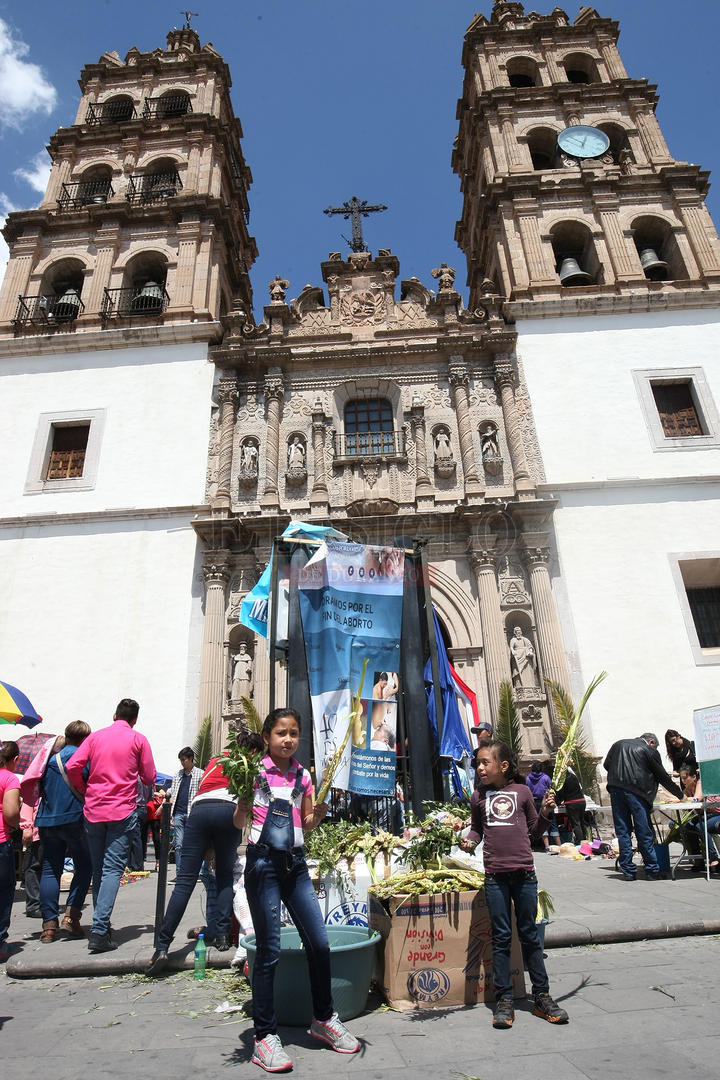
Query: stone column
x: 227, y: 397
x: 700, y: 229
x: 459, y: 382
x: 188, y: 231
x: 107, y: 241
x: 319, y: 493
x: 556, y: 74
x: 273, y: 399
x: 211, y: 698
x: 505, y: 382
x: 24, y: 254
x: 423, y: 483
x: 611, y: 56
x: 652, y: 137
x: 547, y: 624
x: 495, y: 647
x: 625, y: 263
x: 512, y: 149
x: 540, y: 271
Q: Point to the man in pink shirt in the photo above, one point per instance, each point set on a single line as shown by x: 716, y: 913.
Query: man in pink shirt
x: 106, y: 767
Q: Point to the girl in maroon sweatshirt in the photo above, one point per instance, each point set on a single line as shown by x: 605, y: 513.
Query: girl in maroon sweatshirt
x: 503, y: 815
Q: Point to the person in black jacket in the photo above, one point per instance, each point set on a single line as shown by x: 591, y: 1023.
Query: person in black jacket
x: 680, y: 751
x: 634, y: 771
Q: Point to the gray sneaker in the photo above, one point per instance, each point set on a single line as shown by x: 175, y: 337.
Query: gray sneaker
x: 335, y: 1034
x: 270, y: 1056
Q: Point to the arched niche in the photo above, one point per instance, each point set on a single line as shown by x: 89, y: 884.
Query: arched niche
x: 580, y: 68
x: 576, y: 260
x: 542, y: 144
x: 522, y: 71
x: 657, y: 249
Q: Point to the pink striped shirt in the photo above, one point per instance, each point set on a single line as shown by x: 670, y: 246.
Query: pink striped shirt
x: 117, y: 755
x: 281, y: 785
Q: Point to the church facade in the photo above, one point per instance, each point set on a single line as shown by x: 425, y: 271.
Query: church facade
x: 553, y: 445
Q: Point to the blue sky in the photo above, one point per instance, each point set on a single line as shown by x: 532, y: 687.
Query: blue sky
x: 335, y: 99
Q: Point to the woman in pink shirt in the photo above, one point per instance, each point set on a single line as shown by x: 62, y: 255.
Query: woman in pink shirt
x: 9, y: 819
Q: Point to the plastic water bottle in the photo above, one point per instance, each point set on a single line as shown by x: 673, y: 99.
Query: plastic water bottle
x: 200, y: 951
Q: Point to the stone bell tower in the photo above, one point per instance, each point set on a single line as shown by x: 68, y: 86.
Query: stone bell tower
x: 570, y: 190
x: 145, y: 216
x: 115, y: 290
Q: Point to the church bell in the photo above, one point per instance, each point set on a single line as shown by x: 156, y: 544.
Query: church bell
x: 67, y: 306
x: 653, y: 267
x: 150, y: 297
x: 571, y: 273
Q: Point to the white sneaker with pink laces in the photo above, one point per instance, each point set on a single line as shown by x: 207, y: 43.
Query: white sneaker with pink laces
x: 334, y: 1033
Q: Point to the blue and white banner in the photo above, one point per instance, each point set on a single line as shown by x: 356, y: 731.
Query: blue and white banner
x: 351, y: 608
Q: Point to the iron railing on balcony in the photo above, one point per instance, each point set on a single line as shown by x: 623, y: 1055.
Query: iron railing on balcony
x: 162, y: 108
x: 84, y: 193
x: 48, y: 310
x: 111, y: 112
x: 153, y: 187
x: 146, y: 300
x: 369, y: 444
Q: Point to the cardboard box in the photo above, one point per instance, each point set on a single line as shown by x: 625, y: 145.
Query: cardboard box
x: 437, y: 950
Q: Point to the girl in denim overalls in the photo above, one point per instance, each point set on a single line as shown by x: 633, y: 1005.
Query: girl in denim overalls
x: 275, y: 872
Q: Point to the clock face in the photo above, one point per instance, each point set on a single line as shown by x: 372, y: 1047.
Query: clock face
x: 583, y: 142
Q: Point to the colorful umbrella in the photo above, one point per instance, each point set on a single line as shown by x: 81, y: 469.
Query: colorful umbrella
x: 15, y: 708
x: 29, y: 746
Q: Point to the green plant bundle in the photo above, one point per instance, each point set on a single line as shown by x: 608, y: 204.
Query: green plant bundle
x: 241, y: 767
x: 424, y: 882
x: 330, y: 843
x: 252, y: 716
x: 572, y: 749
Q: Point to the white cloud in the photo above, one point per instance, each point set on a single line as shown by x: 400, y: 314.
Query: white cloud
x: 6, y: 207
x: 38, y: 173
x: 23, y: 86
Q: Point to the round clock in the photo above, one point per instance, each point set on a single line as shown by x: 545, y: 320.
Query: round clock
x: 583, y: 142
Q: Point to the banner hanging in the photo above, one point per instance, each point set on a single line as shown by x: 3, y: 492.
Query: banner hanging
x: 351, y: 608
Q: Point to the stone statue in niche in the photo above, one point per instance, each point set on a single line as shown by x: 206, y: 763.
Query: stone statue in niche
x: 490, y: 447
x: 523, y: 664
x: 242, y: 677
x: 445, y: 277
x: 445, y: 463
x: 296, y: 470
x: 248, y: 463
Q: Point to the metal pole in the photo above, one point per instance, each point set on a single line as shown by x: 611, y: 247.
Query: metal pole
x: 162, y: 870
x: 272, y: 628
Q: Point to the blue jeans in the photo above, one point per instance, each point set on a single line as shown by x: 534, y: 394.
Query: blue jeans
x: 502, y: 891
x: 632, y: 814
x: 7, y: 887
x: 272, y: 876
x: 178, y: 823
x: 109, y: 843
x: 59, y: 841
x: 209, y: 825
x: 137, y: 852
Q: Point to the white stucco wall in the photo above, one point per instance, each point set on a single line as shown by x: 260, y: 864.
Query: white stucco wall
x: 589, y: 418
x: 625, y: 512
x: 154, y: 445
x: 96, y: 612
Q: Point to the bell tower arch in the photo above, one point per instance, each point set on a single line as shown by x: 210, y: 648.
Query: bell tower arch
x: 570, y: 192
x: 153, y: 160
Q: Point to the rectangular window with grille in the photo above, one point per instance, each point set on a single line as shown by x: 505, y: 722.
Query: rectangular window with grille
x: 67, y: 453
x: 677, y: 409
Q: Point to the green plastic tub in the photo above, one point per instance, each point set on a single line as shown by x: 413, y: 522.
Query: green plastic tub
x: 352, y: 950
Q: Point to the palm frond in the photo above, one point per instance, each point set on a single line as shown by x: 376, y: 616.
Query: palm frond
x: 202, y: 747
x: 252, y: 716
x: 573, y: 747
x: 507, y: 727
